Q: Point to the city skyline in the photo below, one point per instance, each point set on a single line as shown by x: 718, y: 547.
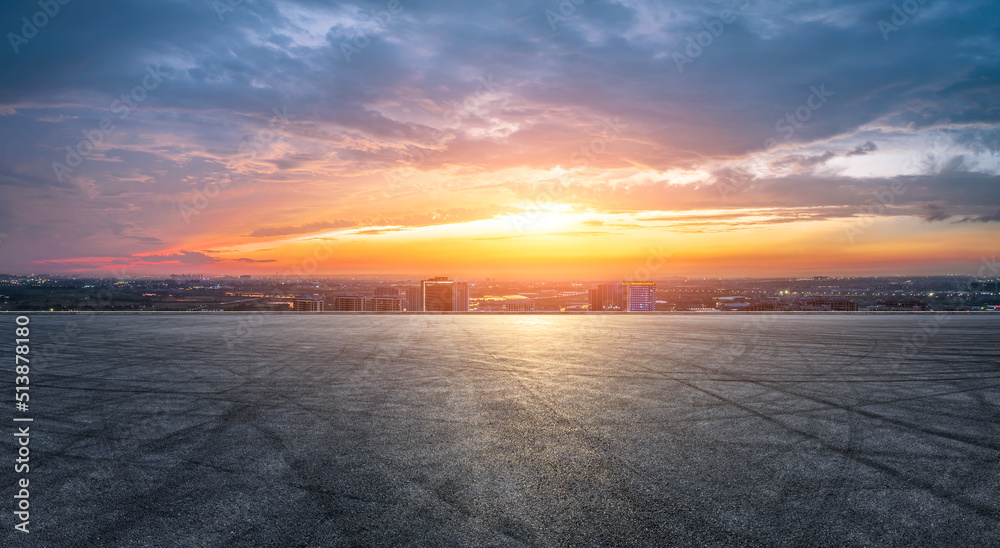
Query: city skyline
x: 522, y: 141
x: 194, y: 292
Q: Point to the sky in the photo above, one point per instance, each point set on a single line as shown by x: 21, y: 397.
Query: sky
x: 522, y: 139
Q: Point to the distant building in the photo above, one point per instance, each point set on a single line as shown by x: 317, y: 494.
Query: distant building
x: 443, y: 295
x: 984, y: 286
x: 383, y: 291
x: 386, y: 304
x: 309, y: 303
x: 623, y: 296
x: 349, y: 303
x: 461, y: 297
x: 732, y: 303
x: 900, y: 305
x: 438, y: 294
x: 640, y: 296
x: 519, y: 305
x: 414, y: 299
x: 607, y: 297
x: 766, y: 306
x: 837, y: 304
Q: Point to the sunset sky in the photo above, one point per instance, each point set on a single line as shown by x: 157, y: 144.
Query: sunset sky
x: 505, y: 139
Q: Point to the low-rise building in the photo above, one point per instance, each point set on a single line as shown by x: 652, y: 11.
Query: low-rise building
x: 309, y: 303
x: 838, y: 304
x: 349, y: 303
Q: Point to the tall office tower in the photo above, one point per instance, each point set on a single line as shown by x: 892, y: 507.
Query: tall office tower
x: 349, y: 303
x: 309, y: 303
x: 640, y: 296
x: 414, y: 299
x: 437, y: 294
x: 443, y: 295
x: 386, y: 291
x: 386, y: 304
x: 607, y: 297
x: 461, y: 297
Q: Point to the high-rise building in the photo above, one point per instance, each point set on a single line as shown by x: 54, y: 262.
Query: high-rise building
x: 443, y: 295
x: 349, y: 303
x: 461, y: 297
x: 309, y: 303
x: 414, y: 299
x: 607, y: 297
x: 438, y: 294
x: 640, y: 296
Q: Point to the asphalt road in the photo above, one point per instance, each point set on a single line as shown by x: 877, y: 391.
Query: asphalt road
x: 327, y: 430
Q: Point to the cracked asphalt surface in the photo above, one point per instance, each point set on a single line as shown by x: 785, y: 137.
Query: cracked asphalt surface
x: 521, y: 430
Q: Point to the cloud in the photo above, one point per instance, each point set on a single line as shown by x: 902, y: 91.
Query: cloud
x: 435, y: 217
x: 804, y: 162
x: 183, y: 257
x: 934, y: 212
x: 377, y: 231
x: 993, y: 218
x: 864, y: 149
x: 300, y: 229
x: 145, y: 239
x: 958, y: 192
